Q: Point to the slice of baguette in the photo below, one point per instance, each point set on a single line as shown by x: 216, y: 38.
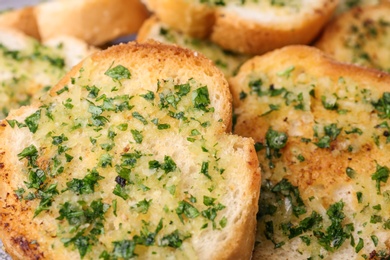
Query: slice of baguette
x: 227, y: 62
x: 133, y: 146
x: 29, y: 68
x: 22, y: 20
x: 93, y: 21
x: 252, y: 27
x: 322, y: 133
x: 360, y: 36
x: 187, y: 16
x: 258, y: 27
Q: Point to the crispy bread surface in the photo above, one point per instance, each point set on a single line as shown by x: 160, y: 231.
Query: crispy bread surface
x: 132, y: 158
x: 322, y: 133
x: 29, y: 68
x: 360, y: 36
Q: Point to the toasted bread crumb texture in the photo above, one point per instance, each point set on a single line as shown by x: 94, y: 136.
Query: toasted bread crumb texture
x: 128, y: 157
x: 30, y: 68
x: 228, y: 62
x: 322, y: 134
x: 360, y: 36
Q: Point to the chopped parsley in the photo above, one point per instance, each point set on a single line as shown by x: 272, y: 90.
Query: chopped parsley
x: 32, y: 121
x: 118, y: 72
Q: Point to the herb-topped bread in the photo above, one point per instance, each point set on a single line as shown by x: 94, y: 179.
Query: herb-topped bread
x: 29, y: 68
x: 226, y: 61
x: 251, y: 26
x: 322, y: 134
x: 360, y: 36
x: 129, y: 156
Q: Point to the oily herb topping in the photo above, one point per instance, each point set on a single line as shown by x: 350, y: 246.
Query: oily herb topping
x: 118, y: 73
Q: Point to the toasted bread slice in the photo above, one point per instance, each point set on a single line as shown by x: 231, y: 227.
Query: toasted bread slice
x: 252, y: 27
x: 258, y: 27
x: 226, y: 61
x: 322, y: 136
x: 135, y: 161
x: 360, y: 36
x: 193, y: 18
x: 22, y: 20
x: 29, y: 68
x: 93, y: 21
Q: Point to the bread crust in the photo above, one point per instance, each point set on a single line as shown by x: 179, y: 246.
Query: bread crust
x: 242, y: 30
x: 24, y: 238
x: 21, y: 19
x: 321, y: 175
x: 192, y: 18
x: 93, y: 21
x: 236, y: 33
x: 24, y: 79
x: 227, y: 62
x: 359, y: 36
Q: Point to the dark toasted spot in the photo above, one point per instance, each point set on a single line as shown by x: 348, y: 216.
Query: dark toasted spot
x: 121, y: 181
x: 22, y: 242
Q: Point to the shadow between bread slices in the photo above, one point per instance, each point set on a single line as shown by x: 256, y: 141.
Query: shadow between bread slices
x: 129, y: 155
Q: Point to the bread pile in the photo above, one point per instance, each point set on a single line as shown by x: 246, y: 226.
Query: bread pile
x: 273, y: 147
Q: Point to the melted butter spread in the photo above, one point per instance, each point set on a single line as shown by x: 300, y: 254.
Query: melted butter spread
x: 133, y: 170
x: 226, y: 61
x: 323, y: 147
x: 366, y: 40
x: 27, y: 73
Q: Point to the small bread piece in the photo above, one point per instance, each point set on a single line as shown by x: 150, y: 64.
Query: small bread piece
x: 129, y: 156
x: 190, y: 17
x: 360, y: 36
x: 226, y: 61
x: 322, y: 133
x: 22, y: 20
x: 93, y: 21
x: 29, y: 68
x: 258, y: 27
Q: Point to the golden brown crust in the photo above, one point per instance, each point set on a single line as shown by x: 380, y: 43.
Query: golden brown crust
x: 194, y: 19
x: 21, y: 19
x: 236, y: 33
x: 94, y: 21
